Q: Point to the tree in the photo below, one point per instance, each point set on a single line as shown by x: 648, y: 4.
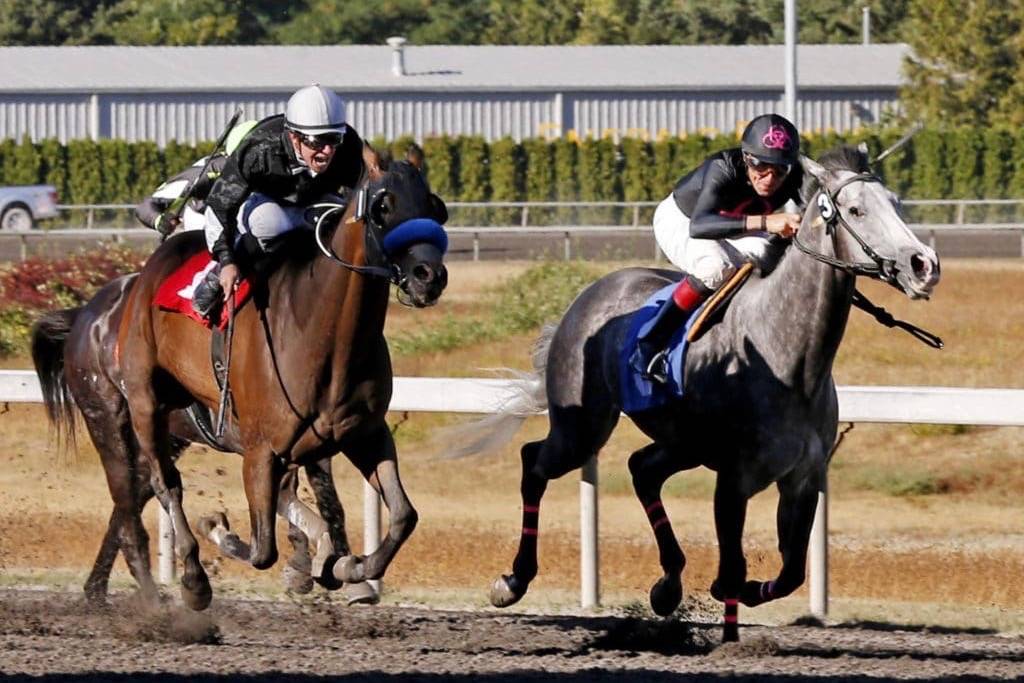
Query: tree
x: 966, y: 61
x: 47, y: 22
x: 532, y: 22
x: 343, y: 22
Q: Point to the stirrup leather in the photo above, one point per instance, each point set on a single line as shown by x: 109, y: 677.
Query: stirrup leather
x: 718, y: 299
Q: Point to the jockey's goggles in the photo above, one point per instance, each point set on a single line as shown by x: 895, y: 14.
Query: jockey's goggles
x: 759, y: 166
x: 318, y: 142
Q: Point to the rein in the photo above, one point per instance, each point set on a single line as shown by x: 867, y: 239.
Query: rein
x: 391, y: 274
x: 882, y: 268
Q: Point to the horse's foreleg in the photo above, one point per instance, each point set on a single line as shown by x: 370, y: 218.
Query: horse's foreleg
x: 730, y: 515
x: 798, y: 498
x: 333, y: 514
x: 261, y: 490
x: 508, y: 589
x: 650, y: 467
x: 376, y: 458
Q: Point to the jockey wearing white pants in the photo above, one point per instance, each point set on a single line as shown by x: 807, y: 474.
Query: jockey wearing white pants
x: 727, y: 211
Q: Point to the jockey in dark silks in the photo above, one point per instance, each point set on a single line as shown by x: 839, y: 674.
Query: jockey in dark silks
x: 725, y: 212
x: 152, y: 211
x: 285, y: 164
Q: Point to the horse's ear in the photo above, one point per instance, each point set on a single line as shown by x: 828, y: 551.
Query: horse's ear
x: 438, y: 209
x: 814, y: 168
x: 862, y: 147
x: 382, y: 204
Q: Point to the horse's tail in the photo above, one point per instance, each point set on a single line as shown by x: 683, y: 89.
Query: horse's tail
x: 49, y: 335
x: 529, y: 398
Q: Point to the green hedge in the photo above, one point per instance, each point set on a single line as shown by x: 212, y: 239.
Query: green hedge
x: 935, y: 164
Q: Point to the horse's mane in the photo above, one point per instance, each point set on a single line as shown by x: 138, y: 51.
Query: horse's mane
x: 840, y: 158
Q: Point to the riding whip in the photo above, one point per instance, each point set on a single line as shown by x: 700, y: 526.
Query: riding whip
x: 173, y: 212
x: 225, y: 391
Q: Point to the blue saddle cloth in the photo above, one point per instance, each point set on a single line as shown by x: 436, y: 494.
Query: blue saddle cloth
x: 637, y: 392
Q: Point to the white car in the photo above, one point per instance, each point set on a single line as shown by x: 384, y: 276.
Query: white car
x: 22, y: 205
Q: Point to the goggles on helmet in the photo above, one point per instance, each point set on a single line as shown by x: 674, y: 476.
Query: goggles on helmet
x: 759, y: 166
x: 318, y: 142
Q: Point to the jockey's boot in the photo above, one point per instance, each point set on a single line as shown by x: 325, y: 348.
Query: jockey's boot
x: 677, y: 309
x: 208, y: 294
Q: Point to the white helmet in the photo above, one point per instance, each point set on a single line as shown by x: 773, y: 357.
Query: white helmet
x: 314, y: 110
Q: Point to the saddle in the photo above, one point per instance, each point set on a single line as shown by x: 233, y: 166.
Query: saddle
x: 637, y: 392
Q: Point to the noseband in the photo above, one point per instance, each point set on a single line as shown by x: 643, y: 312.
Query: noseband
x: 881, y: 268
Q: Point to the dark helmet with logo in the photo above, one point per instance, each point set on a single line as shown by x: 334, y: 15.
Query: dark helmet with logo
x: 771, y: 139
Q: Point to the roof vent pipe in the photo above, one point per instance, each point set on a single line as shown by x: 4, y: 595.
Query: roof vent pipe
x: 397, y: 44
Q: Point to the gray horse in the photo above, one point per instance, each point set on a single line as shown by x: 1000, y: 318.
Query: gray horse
x: 760, y: 403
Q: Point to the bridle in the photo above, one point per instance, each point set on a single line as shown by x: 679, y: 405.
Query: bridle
x: 391, y: 273
x: 880, y: 268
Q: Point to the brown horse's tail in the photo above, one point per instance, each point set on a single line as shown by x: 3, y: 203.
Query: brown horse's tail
x: 49, y: 335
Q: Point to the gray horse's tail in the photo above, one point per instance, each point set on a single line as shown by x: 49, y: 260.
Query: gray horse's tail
x: 530, y: 398
x: 49, y: 335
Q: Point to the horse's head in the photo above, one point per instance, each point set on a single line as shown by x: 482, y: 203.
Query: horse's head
x: 869, y: 234
x: 404, y: 225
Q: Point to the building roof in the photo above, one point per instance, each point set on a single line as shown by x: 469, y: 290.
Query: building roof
x: 444, y: 67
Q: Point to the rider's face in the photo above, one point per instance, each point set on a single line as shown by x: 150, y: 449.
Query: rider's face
x: 766, y: 179
x: 316, y: 151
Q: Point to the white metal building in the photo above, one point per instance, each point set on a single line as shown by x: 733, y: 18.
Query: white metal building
x: 188, y: 93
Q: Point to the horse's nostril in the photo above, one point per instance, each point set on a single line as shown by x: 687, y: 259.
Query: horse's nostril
x: 422, y: 272
x: 921, y: 266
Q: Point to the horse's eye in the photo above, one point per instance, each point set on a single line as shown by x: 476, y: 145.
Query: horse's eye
x: 854, y: 211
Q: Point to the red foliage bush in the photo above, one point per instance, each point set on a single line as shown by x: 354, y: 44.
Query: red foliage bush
x: 38, y: 284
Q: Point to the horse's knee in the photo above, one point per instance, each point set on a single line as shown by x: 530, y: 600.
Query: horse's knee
x: 405, y: 521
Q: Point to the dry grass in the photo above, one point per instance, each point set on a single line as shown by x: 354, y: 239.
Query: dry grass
x: 956, y: 553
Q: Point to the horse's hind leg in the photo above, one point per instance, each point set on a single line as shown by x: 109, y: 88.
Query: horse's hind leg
x: 798, y: 498
x: 730, y: 515
x: 650, y: 467
x: 154, y: 440
x: 576, y: 435
x: 508, y: 589
x: 127, y: 480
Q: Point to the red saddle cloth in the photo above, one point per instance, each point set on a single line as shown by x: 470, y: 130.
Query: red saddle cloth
x: 175, y: 294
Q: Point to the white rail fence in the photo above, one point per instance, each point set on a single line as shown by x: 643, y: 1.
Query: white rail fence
x: 920, y: 405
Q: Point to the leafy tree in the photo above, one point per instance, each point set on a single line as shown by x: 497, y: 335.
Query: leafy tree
x: 965, y: 61
x: 173, y: 22
x: 54, y: 169
x: 23, y: 165
x: 453, y: 23
x: 47, y: 22
x: 532, y: 22
x: 342, y: 22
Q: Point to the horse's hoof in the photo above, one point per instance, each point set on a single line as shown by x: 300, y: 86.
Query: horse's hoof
x: 296, y: 580
x: 361, y: 593
x: 750, y: 594
x: 666, y: 594
x: 506, y: 591
x: 349, y: 569
x: 207, y: 523
x: 324, y: 556
x: 716, y: 591
x: 196, y: 593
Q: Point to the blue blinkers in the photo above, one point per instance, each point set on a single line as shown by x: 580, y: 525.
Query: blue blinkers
x: 413, y: 231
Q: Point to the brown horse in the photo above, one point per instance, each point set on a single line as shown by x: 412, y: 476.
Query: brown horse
x: 310, y: 376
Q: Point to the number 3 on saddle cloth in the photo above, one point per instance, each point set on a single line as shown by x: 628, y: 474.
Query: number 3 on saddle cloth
x: 638, y: 393
x: 175, y: 293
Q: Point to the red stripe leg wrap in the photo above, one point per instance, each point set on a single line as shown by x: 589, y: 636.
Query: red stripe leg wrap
x: 732, y: 610
x: 531, y: 518
x: 656, y: 515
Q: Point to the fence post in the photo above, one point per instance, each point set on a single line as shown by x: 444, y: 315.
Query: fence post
x: 590, y: 593
x: 525, y: 218
x: 636, y: 215
x: 819, y: 556
x: 568, y: 247
x: 476, y: 246
x: 371, y: 525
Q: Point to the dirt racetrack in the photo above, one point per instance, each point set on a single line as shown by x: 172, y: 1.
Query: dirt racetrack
x: 57, y: 636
